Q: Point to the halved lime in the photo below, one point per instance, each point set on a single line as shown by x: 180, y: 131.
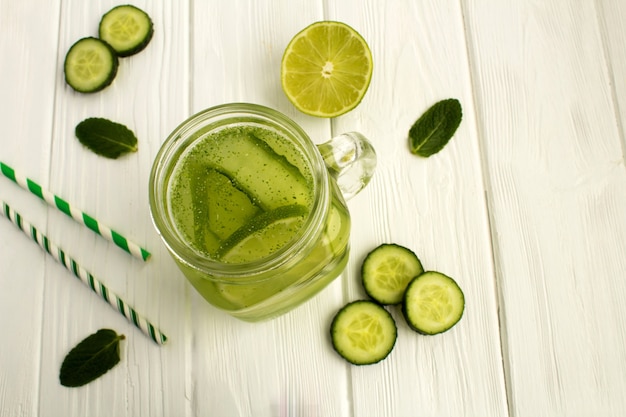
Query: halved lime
x: 326, y: 69
x: 263, y: 235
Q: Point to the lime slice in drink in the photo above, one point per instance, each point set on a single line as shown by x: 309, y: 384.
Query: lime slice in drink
x: 263, y: 235
x: 326, y: 69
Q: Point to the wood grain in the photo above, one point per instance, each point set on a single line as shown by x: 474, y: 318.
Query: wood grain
x: 522, y: 207
x: 429, y: 211
x: 555, y: 179
x: 27, y: 122
x: 287, y: 363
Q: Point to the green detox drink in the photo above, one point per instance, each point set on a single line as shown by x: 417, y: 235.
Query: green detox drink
x: 246, y: 205
x: 240, y: 195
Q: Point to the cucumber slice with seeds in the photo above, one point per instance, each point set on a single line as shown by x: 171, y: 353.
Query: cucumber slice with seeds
x: 228, y: 208
x: 263, y: 234
x: 127, y: 29
x: 387, y: 270
x: 363, y: 332
x: 90, y: 65
x: 269, y: 179
x: 433, y: 303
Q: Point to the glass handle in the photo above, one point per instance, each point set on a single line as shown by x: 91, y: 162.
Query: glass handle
x: 351, y: 161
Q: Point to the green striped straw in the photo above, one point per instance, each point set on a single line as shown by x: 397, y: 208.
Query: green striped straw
x: 79, y: 216
x: 86, y: 277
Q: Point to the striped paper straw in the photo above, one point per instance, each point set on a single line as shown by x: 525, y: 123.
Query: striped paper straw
x: 87, y: 278
x: 79, y: 216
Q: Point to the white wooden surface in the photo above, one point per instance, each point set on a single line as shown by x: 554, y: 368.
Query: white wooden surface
x: 524, y: 207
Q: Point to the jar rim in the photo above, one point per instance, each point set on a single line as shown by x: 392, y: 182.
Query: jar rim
x: 181, y: 139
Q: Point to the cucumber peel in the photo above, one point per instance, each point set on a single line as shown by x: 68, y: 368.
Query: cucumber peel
x: 387, y: 270
x: 90, y: 65
x: 263, y: 234
x: 433, y: 303
x: 127, y: 29
x: 363, y: 332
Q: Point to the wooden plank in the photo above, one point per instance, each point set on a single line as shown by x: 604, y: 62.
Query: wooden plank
x: 556, y: 188
x: 27, y: 78
x: 435, y: 206
x: 611, y: 15
x: 149, y: 96
x: 542, y: 91
x: 284, y: 366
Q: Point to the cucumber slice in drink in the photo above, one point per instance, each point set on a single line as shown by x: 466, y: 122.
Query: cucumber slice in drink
x: 228, y: 208
x: 192, y: 199
x: 263, y: 235
x: 214, y: 207
x: 127, y: 29
x: 433, y: 303
x: 363, y: 332
x: 218, y: 208
x: 387, y: 270
x: 268, y: 178
x: 337, y: 233
x: 90, y: 65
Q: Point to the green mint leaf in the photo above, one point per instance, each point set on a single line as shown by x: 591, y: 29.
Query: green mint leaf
x: 91, y: 358
x: 105, y: 137
x: 432, y: 131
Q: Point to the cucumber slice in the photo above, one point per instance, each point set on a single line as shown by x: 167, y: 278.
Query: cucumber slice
x: 218, y: 208
x: 263, y: 235
x: 90, y: 65
x: 127, y: 29
x: 387, y: 270
x: 433, y: 303
x: 228, y: 207
x: 268, y: 178
x: 363, y: 332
